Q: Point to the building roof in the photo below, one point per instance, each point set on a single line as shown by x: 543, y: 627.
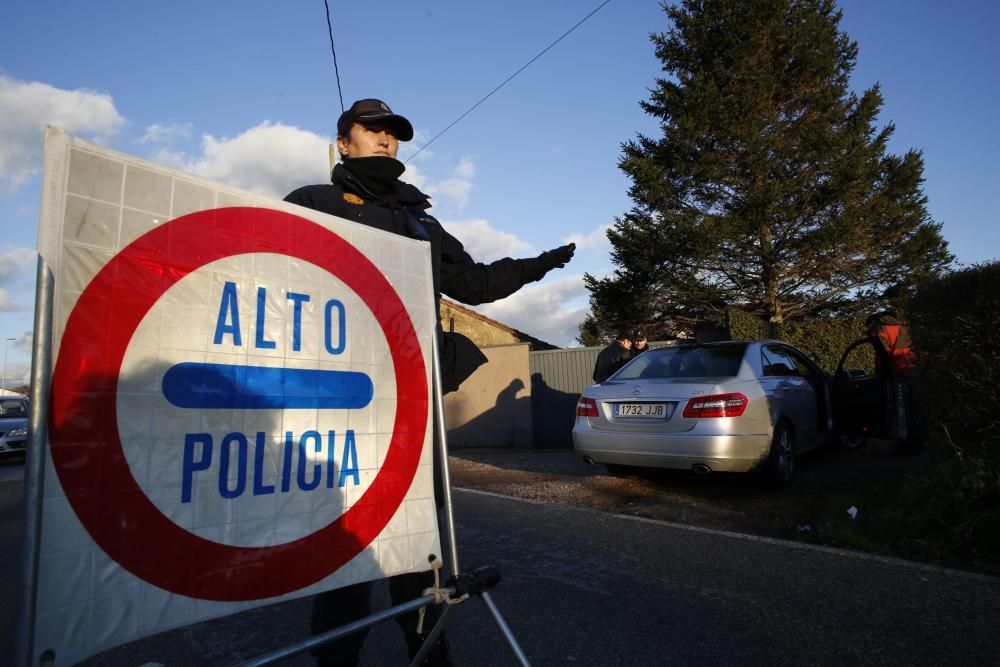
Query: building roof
x: 535, y: 343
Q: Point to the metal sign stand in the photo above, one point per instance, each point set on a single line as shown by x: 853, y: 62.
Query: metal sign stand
x: 474, y: 583
x: 34, y: 468
x: 480, y: 580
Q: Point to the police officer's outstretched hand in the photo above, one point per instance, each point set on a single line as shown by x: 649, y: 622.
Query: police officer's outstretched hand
x: 558, y: 257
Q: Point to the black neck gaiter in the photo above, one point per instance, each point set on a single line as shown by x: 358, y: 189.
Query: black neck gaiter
x: 379, y: 174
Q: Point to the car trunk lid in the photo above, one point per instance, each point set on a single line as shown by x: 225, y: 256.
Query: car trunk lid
x: 647, y: 405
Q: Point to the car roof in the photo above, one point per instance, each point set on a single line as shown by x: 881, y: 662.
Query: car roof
x: 717, y: 343
x: 742, y: 344
x: 724, y: 343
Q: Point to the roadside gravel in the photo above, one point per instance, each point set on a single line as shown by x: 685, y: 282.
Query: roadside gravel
x: 828, y: 484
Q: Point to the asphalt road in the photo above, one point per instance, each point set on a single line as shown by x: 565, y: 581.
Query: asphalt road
x: 584, y: 587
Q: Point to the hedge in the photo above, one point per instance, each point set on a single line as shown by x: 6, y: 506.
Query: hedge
x: 955, y: 325
x: 952, y: 514
x: 825, y: 339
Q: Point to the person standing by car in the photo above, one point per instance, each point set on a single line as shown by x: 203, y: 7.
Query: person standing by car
x: 895, y: 339
x: 366, y: 189
x: 639, y: 344
x: 613, y: 357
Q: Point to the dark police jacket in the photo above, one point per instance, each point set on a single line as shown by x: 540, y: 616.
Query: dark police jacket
x: 610, y: 359
x: 455, y: 273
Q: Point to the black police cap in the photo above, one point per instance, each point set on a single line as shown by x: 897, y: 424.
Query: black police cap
x: 374, y: 111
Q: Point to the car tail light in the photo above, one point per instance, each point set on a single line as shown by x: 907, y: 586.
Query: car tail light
x: 586, y: 407
x: 716, y: 405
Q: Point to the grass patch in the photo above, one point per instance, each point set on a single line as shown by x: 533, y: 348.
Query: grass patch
x: 948, y: 514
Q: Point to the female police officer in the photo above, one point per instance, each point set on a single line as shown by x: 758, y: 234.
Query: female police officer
x: 366, y: 189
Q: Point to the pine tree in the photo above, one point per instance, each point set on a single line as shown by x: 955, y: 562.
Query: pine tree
x: 770, y: 188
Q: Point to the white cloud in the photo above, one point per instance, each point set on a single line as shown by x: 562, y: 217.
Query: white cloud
x: 15, y: 260
x: 465, y: 170
x: 15, y: 264
x: 408, y: 149
x: 274, y: 158
x: 170, y: 158
x: 597, y: 239
x: 415, y: 177
x: 452, y: 190
x: 23, y: 342
x: 271, y: 158
x: 6, y: 304
x: 455, y: 190
x: 27, y: 107
x: 165, y: 133
x: 551, y: 311
x: 18, y: 360
x: 485, y: 243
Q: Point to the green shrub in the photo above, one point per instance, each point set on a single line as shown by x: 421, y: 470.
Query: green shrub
x: 824, y: 338
x: 744, y: 326
x: 955, y: 325
x: 954, y: 512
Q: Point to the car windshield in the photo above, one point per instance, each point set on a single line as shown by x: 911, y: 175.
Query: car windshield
x: 685, y: 362
x: 13, y: 408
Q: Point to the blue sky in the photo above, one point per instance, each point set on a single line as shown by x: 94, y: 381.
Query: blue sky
x: 245, y: 93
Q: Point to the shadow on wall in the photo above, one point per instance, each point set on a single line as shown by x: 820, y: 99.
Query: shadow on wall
x: 493, y: 407
x: 506, y: 424
x: 553, y: 412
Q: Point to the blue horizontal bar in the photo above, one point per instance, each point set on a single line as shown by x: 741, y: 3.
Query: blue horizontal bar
x: 225, y: 386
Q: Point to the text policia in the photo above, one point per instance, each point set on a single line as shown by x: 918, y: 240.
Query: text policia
x: 308, y: 460
x: 198, y: 451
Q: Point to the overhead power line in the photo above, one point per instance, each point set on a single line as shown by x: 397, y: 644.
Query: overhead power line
x: 505, y: 81
x: 329, y: 28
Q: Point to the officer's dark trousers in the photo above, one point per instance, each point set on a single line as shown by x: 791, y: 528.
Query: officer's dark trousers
x: 344, y: 605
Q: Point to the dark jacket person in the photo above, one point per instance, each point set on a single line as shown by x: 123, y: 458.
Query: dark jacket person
x: 639, y: 344
x: 366, y: 189
x: 613, y: 357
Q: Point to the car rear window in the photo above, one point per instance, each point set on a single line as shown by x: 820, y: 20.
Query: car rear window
x: 685, y: 362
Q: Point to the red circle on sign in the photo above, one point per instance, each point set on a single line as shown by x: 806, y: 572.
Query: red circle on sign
x: 83, y: 431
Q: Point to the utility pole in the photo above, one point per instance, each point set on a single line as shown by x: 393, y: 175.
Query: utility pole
x: 3, y: 381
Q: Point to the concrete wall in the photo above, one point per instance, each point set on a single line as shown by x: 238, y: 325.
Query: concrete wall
x: 493, y: 407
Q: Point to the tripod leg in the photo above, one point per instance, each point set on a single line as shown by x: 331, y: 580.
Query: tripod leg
x: 505, y: 630
x: 432, y: 637
x: 450, y: 522
x: 442, y: 435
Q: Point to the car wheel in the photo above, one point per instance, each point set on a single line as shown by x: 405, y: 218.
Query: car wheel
x: 781, y: 458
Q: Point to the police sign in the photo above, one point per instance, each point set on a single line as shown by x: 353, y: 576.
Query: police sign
x: 239, y: 402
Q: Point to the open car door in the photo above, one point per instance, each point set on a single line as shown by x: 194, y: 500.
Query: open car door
x: 864, y: 391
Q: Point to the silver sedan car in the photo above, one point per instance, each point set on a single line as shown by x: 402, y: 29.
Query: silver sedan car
x: 732, y: 406
x: 13, y: 426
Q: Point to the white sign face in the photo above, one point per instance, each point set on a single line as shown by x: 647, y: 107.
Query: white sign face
x: 239, y: 408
